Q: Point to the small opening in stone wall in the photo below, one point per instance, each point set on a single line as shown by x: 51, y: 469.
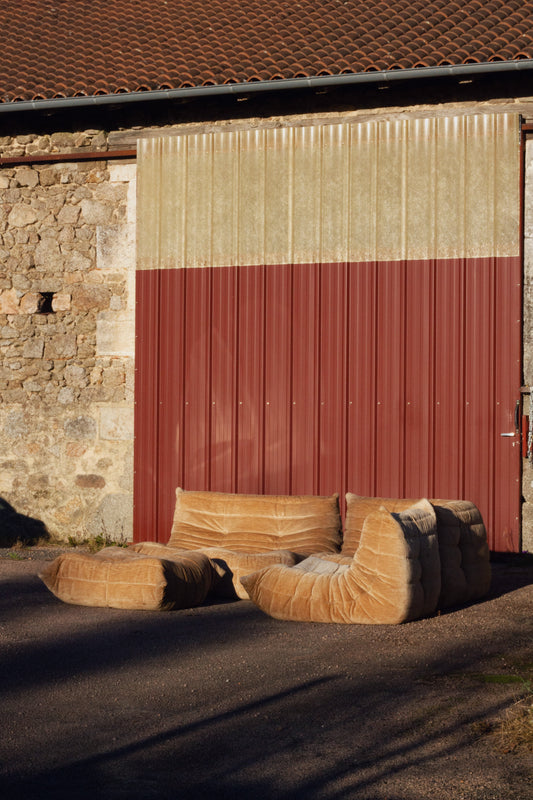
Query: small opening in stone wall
x: 45, y: 303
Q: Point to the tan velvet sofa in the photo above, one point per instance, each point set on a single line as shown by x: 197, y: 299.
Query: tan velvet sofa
x: 395, y: 561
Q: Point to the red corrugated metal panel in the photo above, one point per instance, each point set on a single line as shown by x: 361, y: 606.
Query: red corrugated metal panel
x: 390, y: 379
x: 305, y: 378
x: 170, y: 381
x: 147, y: 488
x: 419, y: 388
x: 278, y: 389
x: 250, y: 381
x: 332, y: 330
x: 362, y: 409
x: 224, y: 366
x: 449, y: 367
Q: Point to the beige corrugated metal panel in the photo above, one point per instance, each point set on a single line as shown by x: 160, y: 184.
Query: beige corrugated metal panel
x: 403, y: 189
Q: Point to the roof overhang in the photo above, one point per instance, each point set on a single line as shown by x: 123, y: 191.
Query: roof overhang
x: 323, y: 82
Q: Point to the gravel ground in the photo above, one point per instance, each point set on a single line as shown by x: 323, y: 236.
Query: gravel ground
x: 222, y: 701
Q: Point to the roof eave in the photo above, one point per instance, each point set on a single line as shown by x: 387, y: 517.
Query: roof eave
x: 280, y: 85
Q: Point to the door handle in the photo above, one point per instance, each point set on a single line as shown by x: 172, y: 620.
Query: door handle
x: 508, y: 435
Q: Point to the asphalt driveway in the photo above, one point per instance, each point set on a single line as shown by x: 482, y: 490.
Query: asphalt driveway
x: 222, y: 701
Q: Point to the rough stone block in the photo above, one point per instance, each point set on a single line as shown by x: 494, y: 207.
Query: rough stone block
x: 27, y: 177
x: 48, y: 176
x: 65, y: 395
x: 12, y: 196
x: 9, y: 301
x: 115, y: 248
x: 528, y: 255
x: 17, y: 424
x: 48, y: 256
x: 21, y: 282
x: 90, y: 481
x: 76, y: 261
x: 14, y: 465
x: 126, y: 479
x: 115, y: 304
x: 68, y: 215
x: 85, y: 298
x: 61, y: 302
x: 29, y: 303
x: 75, y: 449
x: 115, y: 334
x: 32, y: 386
x: 122, y: 172
x: 113, y: 518
x: 75, y: 375
x: 81, y: 427
x: 67, y: 514
x: 21, y: 215
x: 61, y: 346
x: 33, y: 348
x: 112, y: 194
x: 116, y: 423
x: 61, y: 140
x: 95, y: 212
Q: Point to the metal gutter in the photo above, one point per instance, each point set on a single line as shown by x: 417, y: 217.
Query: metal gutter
x: 465, y: 71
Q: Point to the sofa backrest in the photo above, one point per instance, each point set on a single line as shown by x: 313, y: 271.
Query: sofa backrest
x: 463, y: 546
x: 256, y: 523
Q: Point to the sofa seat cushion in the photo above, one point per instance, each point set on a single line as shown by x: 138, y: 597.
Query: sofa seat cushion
x: 256, y: 523
x: 229, y: 566
x: 232, y: 566
x: 119, y: 578
x: 463, y: 546
x: 394, y: 576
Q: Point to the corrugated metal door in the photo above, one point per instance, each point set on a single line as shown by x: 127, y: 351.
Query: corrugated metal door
x: 331, y: 308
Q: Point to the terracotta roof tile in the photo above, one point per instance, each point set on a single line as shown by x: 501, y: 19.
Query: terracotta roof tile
x: 56, y: 48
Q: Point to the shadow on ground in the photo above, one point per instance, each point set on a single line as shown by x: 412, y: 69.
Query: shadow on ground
x: 510, y: 571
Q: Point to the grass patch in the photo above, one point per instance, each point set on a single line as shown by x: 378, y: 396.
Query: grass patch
x: 514, y: 734
x: 497, y: 678
x: 95, y: 543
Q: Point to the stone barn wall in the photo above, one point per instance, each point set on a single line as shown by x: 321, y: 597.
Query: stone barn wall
x: 67, y: 262
x: 527, y: 471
